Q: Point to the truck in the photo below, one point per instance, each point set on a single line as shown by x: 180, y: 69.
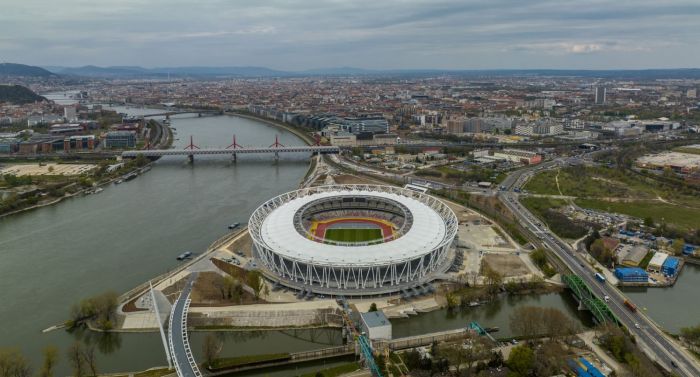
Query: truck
x: 632, y: 307
x: 600, y: 277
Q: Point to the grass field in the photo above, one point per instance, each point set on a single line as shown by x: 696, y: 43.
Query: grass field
x: 591, y: 182
x: 686, y: 218
x: 353, y: 234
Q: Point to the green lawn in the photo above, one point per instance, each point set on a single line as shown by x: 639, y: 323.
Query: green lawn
x: 227, y: 362
x: 335, y: 371
x: 353, y: 234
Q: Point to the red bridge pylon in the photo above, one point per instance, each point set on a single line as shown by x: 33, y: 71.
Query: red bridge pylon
x: 234, y: 145
x: 191, y: 146
x: 276, y: 144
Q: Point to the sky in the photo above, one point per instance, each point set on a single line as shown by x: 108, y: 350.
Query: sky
x: 376, y: 34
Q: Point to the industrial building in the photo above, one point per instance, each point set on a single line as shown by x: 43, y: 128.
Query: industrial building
x: 376, y: 325
x: 120, y: 139
x: 631, y: 255
x: 671, y: 266
x: 681, y: 163
x: 517, y: 155
x: 631, y: 274
x: 657, y: 262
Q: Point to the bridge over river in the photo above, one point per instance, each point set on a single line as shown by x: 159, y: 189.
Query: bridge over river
x: 232, y: 150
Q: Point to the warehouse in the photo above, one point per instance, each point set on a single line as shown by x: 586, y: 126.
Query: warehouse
x: 631, y: 256
x: 657, y: 262
x: 376, y: 325
x: 670, y: 266
x: 631, y: 274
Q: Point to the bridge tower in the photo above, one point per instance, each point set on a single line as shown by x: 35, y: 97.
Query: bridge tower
x: 276, y: 144
x: 234, y: 146
x: 191, y: 147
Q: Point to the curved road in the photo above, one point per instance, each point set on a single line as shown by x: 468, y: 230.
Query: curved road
x: 177, y: 334
x: 651, y: 338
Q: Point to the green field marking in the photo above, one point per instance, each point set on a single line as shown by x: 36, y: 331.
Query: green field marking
x: 353, y: 234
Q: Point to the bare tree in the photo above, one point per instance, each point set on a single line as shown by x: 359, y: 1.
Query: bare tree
x: 13, y: 364
x: 90, y: 359
x: 75, y: 359
x: 210, y: 348
x: 50, y: 360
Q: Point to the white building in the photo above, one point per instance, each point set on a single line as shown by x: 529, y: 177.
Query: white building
x: 376, y: 325
x: 656, y: 262
x: 70, y: 114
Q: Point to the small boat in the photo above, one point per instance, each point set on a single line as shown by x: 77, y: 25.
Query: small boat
x: 184, y: 255
x: 474, y: 303
x: 234, y: 225
x: 98, y: 190
x: 492, y: 329
x: 118, y: 181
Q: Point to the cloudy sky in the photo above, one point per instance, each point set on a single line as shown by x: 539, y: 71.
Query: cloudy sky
x: 379, y: 34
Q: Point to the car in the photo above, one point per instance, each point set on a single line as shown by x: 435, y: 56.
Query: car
x: 675, y: 365
x: 637, y: 326
x: 607, y: 298
x: 514, y: 341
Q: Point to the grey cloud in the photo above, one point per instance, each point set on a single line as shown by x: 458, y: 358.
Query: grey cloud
x: 303, y: 34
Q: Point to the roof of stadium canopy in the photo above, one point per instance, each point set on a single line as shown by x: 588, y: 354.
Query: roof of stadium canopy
x: 426, y: 234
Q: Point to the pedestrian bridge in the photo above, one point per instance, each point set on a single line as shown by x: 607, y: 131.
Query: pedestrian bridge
x: 178, y: 341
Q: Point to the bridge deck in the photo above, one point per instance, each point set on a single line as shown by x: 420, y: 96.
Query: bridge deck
x: 213, y: 151
x: 185, y: 364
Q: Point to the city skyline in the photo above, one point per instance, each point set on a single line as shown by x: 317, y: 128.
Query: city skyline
x: 386, y: 35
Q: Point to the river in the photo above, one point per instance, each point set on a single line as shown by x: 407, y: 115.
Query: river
x: 115, y: 240
x: 52, y: 257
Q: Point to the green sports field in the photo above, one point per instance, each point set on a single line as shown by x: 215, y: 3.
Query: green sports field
x: 353, y: 234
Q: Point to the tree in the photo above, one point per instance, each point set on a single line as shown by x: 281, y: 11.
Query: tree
x: 90, y: 359
x: 219, y: 282
x: 13, y: 364
x: 492, y: 278
x: 525, y: 321
x: 648, y: 221
x: 548, y: 359
x: 50, y: 360
x: 520, y: 361
x: 211, y: 348
x: 678, y: 246
x: 691, y: 334
x: 75, y: 359
x: 255, y: 280
x: 373, y: 307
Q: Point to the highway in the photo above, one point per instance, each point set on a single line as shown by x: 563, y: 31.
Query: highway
x: 650, y: 338
x: 185, y: 364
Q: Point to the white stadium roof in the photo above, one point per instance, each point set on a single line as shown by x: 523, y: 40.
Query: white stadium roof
x: 427, y: 232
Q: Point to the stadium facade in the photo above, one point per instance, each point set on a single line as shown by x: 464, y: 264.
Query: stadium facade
x: 392, y: 239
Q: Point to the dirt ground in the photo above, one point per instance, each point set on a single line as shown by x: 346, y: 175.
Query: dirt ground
x: 507, y: 264
x: 47, y: 169
x: 206, y: 292
x: 244, y: 244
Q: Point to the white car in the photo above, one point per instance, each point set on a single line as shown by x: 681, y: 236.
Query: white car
x: 637, y: 325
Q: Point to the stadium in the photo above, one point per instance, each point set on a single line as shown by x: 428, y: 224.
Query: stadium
x: 353, y: 239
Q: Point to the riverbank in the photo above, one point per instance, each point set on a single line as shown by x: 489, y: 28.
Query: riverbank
x: 301, y: 134
x: 82, y: 192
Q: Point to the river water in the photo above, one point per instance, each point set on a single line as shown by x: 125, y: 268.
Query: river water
x: 52, y: 257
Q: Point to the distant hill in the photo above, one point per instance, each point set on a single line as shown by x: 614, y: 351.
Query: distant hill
x: 18, y: 95
x: 12, y: 69
x: 128, y: 71
x: 195, y: 71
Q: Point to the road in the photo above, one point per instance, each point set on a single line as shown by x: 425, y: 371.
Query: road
x: 651, y: 338
x: 179, y: 342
